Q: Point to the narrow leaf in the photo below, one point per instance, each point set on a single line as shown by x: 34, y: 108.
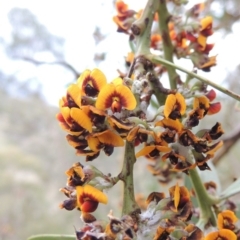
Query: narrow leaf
x: 52, y: 237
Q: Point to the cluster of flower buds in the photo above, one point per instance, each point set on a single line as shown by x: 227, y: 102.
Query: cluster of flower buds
x: 188, y: 35
x: 81, y: 195
x: 163, y: 217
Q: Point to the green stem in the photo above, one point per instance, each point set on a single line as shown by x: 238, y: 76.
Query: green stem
x: 126, y: 175
x: 205, y: 201
x: 144, y: 24
x: 157, y: 59
x: 163, y: 19
x: 52, y: 237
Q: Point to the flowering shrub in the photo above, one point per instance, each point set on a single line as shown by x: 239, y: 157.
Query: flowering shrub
x: 100, y: 114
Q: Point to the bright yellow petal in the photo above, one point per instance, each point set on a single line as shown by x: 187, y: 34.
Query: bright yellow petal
x: 81, y: 118
x: 104, y: 99
x: 181, y: 101
x: 145, y: 151
x: 202, y: 41
x: 96, y: 193
x: 127, y: 98
x: 133, y: 133
x: 204, y: 101
x: 65, y: 111
x: 163, y: 149
x: 206, y: 22
x: 226, y: 214
x: 110, y: 138
x: 80, y: 192
x: 169, y: 105
x: 82, y: 77
x: 93, y: 143
x: 117, y: 81
x: 171, y: 124
x: 98, y: 79
x: 75, y: 93
x: 225, y: 234
x: 176, y: 196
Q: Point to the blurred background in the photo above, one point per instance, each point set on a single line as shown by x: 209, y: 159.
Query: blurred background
x: 44, y: 46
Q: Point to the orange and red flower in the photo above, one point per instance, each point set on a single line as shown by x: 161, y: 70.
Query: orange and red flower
x: 90, y: 82
x: 116, y: 97
x: 89, y: 197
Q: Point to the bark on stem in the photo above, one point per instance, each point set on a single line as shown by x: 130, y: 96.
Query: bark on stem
x: 126, y: 175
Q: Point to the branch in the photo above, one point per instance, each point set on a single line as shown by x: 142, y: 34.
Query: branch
x: 62, y: 63
x: 157, y: 59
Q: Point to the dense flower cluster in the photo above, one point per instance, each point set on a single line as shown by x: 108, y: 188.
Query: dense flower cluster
x: 189, y: 35
x: 84, y: 113
x: 99, y: 115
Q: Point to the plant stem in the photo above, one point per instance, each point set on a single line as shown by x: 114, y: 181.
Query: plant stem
x: 157, y: 59
x: 144, y: 24
x: 205, y: 201
x: 126, y: 175
x: 163, y: 19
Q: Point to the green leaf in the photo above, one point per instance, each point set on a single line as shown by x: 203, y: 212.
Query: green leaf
x: 52, y: 237
x: 231, y: 190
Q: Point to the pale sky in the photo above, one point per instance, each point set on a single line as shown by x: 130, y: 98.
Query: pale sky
x: 75, y: 21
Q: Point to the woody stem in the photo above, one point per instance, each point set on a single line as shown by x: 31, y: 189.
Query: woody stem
x: 126, y: 175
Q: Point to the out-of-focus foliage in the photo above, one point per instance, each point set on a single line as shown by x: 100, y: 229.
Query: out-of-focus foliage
x: 30, y: 37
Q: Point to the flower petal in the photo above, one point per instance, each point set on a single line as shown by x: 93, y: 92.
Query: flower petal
x: 110, y: 138
x: 145, y: 151
x: 104, y: 99
x: 98, y: 79
x: 169, y: 104
x: 93, y: 143
x: 127, y: 98
x: 181, y: 102
x: 93, y: 193
x: 75, y: 93
x: 81, y: 118
x: 214, y: 108
x: 171, y: 124
x: 225, y: 234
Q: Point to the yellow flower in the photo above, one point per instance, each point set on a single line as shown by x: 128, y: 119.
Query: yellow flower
x: 90, y: 82
x: 222, y: 234
x: 226, y: 219
x: 115, y: 97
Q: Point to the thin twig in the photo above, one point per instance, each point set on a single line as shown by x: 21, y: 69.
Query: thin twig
x: 62, y: 63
